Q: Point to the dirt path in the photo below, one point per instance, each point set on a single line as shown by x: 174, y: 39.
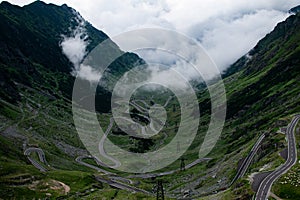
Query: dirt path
x: 274, y: 196
x: 66, y: 187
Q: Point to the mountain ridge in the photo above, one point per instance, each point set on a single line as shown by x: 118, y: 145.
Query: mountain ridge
x: 32, y: 35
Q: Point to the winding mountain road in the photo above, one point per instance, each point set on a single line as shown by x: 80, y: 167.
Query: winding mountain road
x: 116, y: 162
x: 114, y: 180
x: 152, y: 175
x: 80, y: 158
x: 121, y: 186
x: 242, y: 170
x: 41, y: 156
x: 266, y: 184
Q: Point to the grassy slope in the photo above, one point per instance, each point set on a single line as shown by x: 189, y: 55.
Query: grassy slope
x: 35, y: 108
x: 265, y: 90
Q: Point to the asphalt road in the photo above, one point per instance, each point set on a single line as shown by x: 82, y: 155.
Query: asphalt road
x: 114, y: 180
x: 41, y: 155
x: 111, y: 176
x: 101, y: 143
x: 121, y: 186
x: 79, y: 160
x: 243, y: 168
x: 169, y: 172
x: 101, y: 146
x: 266, y: 184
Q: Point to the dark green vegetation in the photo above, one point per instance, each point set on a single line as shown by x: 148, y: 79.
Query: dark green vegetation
x: 265, y: 89
x: 35, y: 101
x: 295, y: 10
x: 35, y: 111
x: 30, y: 36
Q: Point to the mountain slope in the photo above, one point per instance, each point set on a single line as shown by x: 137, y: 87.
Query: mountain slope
x: 264, y: 91
x: 272, y: 72
x: 35, y: 99
x: 32, y: 35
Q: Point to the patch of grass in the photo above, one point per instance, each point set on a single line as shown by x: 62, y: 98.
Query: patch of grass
x: 77, y: 180
x: 9, y: 110
x: 287, y: 191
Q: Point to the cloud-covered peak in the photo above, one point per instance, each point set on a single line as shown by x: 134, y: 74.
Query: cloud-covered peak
x: 227, y: 29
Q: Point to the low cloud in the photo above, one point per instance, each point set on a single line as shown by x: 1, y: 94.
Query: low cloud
x: 164, y: 65
x: 178, y: 75
x: 88, y: 73
x: 227, y: 29
x: 74, y: 47
x: 227, y: 39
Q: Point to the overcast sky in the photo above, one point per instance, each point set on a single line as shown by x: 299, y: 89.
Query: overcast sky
x: 227, y: 29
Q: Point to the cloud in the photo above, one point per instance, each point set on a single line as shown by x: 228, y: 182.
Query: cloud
x: 164, y: 66
x: 228, y: 39
x: 227, y: 29
x: 178, y: 75
x: 88, y: 73
x: 74, y: 47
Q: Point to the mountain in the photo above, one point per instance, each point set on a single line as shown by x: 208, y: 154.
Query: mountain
x: 25, y: 29
x: 262, y: 93
x: 262, y: 90
x: 274, y: 64
x: 295, y: 10
x: 30, y: 38
x: 35, y: 97
x: 36, y: 81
